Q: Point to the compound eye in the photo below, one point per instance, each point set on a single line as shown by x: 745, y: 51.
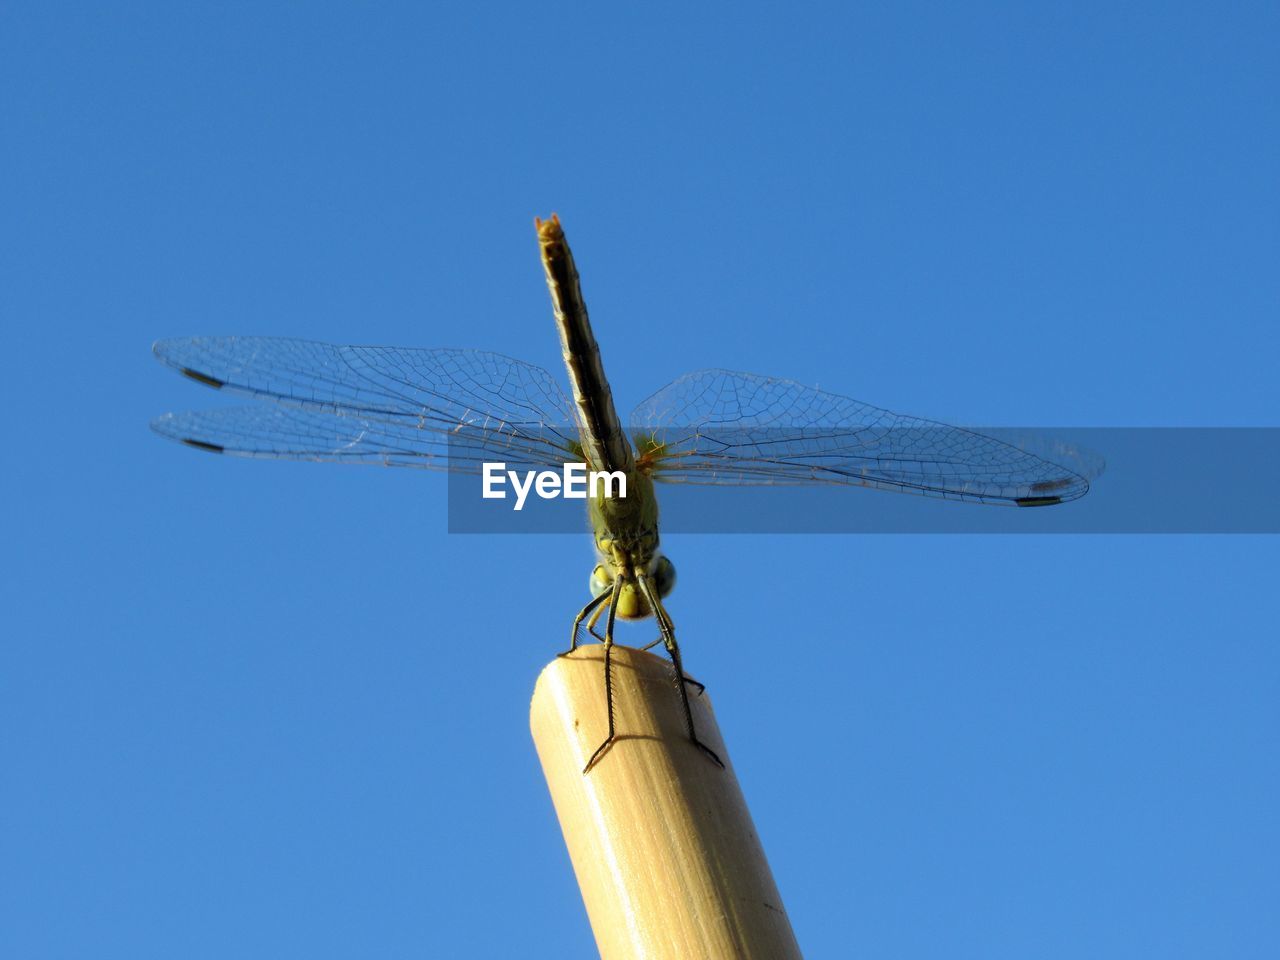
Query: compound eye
x: 601, y: 580
x: 664, y: 576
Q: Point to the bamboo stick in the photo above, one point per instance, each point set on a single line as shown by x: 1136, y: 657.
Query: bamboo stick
x: 662, y: 843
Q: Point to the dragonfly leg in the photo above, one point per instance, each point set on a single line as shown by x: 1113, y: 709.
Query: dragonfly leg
x: 594, y: 605
x: 595, y: 618
x: 608, y: 673
x: 673, y: 648
x: 702, y: 687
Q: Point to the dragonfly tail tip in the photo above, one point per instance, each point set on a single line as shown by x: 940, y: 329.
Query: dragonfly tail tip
x: 549, y: 230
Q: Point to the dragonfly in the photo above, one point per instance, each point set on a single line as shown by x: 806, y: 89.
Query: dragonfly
x: 456, y: 410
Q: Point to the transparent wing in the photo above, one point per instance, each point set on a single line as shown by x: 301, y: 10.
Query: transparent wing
x: 441, y: 409
x: 721, y: 427
x: 296, y: 433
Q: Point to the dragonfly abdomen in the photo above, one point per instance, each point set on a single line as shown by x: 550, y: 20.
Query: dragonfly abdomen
x: 604, y: 442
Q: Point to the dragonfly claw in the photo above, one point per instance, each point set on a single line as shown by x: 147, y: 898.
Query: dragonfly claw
x: 600, y: 751
x: 709, y: 752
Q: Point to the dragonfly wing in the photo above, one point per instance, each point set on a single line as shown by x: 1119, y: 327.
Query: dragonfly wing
x: 412, y: 405
x: 297, y: 433
x: 721, y: 427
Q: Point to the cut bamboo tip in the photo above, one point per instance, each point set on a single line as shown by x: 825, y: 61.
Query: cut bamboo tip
x: 666, y: 856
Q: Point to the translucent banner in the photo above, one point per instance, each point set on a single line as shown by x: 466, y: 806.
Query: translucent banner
x: 921, y: 480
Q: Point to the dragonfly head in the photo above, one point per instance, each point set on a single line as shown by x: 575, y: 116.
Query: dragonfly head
x: 631, y: 602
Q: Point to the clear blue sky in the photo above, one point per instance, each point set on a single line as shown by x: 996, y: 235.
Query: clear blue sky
x: 231, y: 719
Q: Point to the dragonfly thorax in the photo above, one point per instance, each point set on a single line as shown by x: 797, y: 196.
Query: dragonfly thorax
x: 632, y: 605
x: 626, y: 540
